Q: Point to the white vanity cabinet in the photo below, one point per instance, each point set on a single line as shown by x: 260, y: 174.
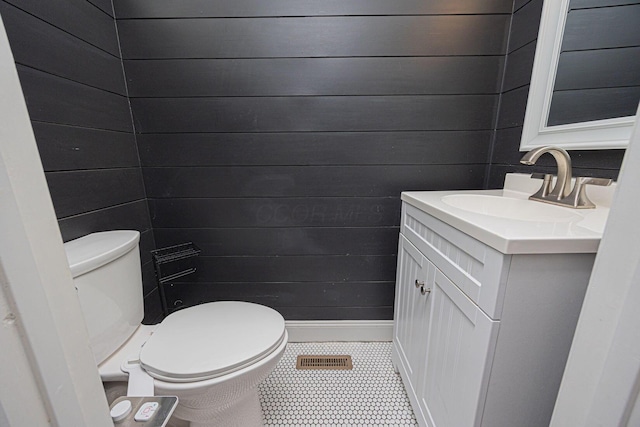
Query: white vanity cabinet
x: 480, y: 337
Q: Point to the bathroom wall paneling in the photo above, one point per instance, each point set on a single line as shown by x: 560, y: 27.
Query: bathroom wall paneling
x: 359, y: 76
x: 278, y: 8
x: 68, y: 61
x: 310, y: 36
x: 313, y: 148
x: 79, y: 18
x: 314, y: 113
x: 505, y: 152
x: 357, y: 300
x: 304, y: 181
x: 283, y: 240
x: 268, y: 212
x: 278, y: 137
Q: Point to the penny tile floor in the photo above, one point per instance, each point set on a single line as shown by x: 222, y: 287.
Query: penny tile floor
x: 371, y: 394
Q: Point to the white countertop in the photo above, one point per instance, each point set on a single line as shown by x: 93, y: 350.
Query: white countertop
x: 580, y: 234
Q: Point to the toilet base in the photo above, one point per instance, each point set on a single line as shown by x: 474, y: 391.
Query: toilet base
x: 243, y: 413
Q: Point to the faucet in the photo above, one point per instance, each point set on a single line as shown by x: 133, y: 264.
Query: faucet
x: 562, y: 193
x: 563, y: 184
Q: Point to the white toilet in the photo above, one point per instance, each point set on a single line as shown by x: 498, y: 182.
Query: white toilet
x: 212, y: 356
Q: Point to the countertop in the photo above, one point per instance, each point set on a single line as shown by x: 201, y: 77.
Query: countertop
x: 580, y: 234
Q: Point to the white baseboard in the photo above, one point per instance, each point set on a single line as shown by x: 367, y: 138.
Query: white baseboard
x: 339, y: 330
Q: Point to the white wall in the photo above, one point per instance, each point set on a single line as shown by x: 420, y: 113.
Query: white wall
x: 47, y: 372
x: 601, y: 380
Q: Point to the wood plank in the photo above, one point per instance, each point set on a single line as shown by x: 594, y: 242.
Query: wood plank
x: 40, y: 45
x: 512, y: 108
x: 152, y: 308
x: 56, y: 100
x: 519, y: 67
x: 313, y: 36
x: 78, y: 192
x: 278, y: 212
x: 575, y: 106
x: 127, y: 216
x: 318, y: 294
x: 277, y: 8
x: 325, y: 148
x: 77, y: 17
x: 321, y: 113
x: 312, y: 181
x: 69, y: 148
x: 524, y: 25
x: 284, y: 241
x: 147, y: 244
x: 104, y: 5
x: 518, y: 4
x: 584, y: 4
x: 585, y: 69
x: 602, y: 28
x: 314, y: 76
x: 309, y: 268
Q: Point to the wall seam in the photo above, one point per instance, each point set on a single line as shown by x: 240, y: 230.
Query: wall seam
x: 492, y: 144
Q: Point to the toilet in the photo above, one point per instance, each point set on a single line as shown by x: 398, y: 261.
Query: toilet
x: 211, y: 356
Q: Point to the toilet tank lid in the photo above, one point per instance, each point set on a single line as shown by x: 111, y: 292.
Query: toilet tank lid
x: 97, y: 249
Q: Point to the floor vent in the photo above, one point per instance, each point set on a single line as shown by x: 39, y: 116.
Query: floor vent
x: 332, y: 362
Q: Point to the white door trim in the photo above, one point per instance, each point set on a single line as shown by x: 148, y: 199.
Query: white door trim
x: 600, y: 382
x: 40, y: 308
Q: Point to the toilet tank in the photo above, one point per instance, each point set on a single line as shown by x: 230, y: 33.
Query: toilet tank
x: 106, y: 273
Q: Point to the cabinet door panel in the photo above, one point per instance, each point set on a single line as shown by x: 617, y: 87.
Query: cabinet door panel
x: 408, y: 331
x: 459, y: 356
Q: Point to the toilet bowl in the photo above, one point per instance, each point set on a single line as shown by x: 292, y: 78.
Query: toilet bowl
x: 212, y: 356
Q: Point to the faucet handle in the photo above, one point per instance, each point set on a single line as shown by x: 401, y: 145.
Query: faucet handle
x: 545, y: 189
x: 578, y: 197
x: 540, y: 175
x: 582, y: 180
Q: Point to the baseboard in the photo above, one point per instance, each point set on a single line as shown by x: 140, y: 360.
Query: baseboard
x: 339, y: 330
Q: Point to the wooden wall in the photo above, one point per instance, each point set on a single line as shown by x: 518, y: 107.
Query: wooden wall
x: 506, y: 153
x: 278, y: 136
x: 68, y: 60
x: 275, y: 135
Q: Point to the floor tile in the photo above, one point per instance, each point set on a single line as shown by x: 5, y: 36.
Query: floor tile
x: 371, y: 394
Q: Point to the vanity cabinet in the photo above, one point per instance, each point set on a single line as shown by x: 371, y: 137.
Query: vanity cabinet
x: 480, y: 337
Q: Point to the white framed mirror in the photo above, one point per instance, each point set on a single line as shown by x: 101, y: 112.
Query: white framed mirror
x: 605, y: 132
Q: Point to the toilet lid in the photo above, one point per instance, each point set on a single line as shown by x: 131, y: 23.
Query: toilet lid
x: 211, y: 340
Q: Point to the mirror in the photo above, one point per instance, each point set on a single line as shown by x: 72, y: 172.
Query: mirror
x: 585, y: 85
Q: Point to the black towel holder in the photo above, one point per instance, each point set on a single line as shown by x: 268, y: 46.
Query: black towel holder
x: 171, y: 263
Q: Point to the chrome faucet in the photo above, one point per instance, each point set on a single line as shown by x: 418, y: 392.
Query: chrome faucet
x: 561, y: 194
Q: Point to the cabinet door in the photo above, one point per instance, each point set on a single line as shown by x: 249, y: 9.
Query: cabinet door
x: 458, y: 361
x: 411, y: 315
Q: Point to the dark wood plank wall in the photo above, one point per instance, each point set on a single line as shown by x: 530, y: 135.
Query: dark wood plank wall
x: 278, y: 136
x: 505, y: 155
x: 598, y: 41
x: 69, y: 64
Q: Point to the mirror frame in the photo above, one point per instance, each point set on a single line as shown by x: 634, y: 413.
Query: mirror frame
x: 593, y: 135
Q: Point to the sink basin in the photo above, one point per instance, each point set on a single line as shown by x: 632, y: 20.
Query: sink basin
x: 510, y: 208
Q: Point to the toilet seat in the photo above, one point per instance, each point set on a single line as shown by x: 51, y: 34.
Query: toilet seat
x: 211, y: 340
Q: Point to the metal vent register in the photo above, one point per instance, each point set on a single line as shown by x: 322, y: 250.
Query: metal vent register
x: 332, y: 362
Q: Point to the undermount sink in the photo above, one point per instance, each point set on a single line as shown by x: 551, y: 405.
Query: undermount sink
x: 510, y: 208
